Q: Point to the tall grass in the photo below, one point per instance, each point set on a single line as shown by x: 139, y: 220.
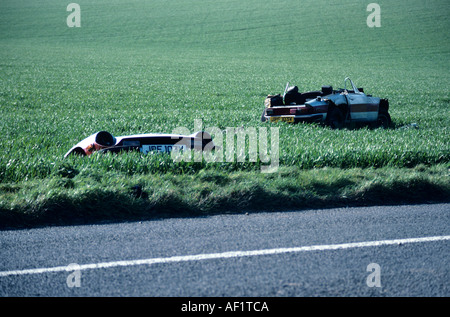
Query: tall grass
x: 92, y: 196
x: 153, y: 66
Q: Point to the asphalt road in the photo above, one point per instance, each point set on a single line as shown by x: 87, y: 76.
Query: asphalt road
x: 335, y: 252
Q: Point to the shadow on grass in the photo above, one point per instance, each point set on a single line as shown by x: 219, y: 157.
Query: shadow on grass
x: 103, y: 206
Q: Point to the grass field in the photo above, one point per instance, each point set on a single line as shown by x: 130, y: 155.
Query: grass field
x: 152, y: 66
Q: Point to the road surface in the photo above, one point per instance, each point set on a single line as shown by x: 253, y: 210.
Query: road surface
x: 366, y: 251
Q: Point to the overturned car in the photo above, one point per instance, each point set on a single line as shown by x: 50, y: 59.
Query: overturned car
x: 335, y: 108
x: 104, y: 141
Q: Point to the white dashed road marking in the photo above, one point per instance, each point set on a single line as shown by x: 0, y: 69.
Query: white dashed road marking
x: 223, y: 255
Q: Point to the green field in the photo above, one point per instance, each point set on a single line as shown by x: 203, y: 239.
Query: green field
x: 152, y: 66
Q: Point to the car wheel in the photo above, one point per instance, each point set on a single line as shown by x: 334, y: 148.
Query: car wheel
x: 336, y: 119
x: 384, y: 120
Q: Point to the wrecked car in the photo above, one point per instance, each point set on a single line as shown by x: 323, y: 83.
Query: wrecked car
x: 335, y: 108
x: 104, y: 141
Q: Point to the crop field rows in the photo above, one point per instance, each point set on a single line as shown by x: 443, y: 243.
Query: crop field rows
x: 154, y: 66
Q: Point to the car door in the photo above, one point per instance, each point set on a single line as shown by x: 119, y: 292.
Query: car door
x: 362, y: 108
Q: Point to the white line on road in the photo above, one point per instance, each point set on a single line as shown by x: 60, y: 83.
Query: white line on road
x: 223, y: 255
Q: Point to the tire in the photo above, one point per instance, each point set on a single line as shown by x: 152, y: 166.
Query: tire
x: 335, y: 119
x: 384, y: 120
x: 263, y: 119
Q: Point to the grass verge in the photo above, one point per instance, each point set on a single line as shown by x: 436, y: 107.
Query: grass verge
x: 86, y: 198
